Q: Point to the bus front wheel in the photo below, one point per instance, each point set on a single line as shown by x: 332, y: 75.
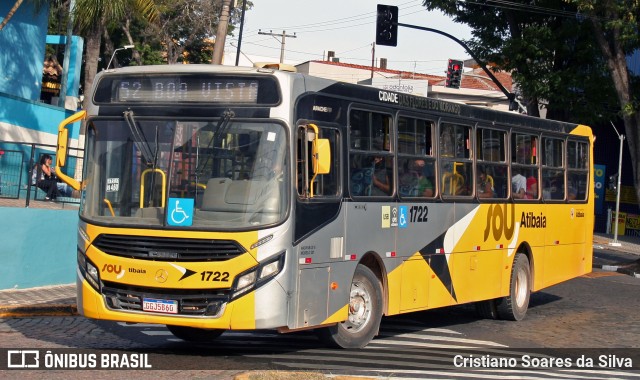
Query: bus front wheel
x: 365, y: 313
x: 192, y: 334
x: 515, y: 305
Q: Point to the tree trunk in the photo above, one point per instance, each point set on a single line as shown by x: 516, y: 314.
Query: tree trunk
x: 109, y: 49
x: 11, y: 13
x: 92, y: 54
x: 127, y: 33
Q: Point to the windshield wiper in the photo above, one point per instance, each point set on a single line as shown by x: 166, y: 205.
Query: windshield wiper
x: 138, y: 138
x: 222, y: 126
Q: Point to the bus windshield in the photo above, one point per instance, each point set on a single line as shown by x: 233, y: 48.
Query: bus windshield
x: 234, y: 171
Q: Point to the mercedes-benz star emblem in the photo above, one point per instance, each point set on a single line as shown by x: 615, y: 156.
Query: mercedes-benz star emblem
x: 162, y: 275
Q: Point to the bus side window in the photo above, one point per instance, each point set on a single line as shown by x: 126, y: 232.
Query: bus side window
x: 371, y: 157
x: 552, y: 169
x: 525, y: 167
x: 577, y: 170
x: 456, y: 174
x: 416, y: 164
x: 492, y: 158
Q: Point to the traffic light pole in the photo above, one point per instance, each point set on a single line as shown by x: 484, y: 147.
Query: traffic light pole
x: 511, y: 96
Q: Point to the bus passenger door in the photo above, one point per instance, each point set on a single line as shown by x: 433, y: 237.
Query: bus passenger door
x: 319, y: 229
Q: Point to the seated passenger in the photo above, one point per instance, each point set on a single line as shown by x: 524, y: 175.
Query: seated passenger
x: 413, y: 182
x: 532, y: 188
x: 518, y: 186
x: 382, y: 184
x: 485, y: 187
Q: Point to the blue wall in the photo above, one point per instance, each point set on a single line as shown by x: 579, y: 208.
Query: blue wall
x: 38, y: 247
x: 32, y: 115
x: 23, y: 44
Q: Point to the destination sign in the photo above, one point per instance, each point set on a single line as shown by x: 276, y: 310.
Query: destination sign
x: 186, y: 88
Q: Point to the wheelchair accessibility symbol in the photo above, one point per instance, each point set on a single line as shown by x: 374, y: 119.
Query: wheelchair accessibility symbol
x: 180, y: 212
x: 402, y: 219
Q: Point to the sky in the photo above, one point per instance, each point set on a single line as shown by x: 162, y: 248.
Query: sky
x: 346, y: 27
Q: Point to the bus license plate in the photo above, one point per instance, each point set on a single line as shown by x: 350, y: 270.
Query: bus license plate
x: 160, y: 306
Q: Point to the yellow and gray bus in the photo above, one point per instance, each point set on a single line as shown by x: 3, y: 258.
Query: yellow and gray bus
x: 222, y: 198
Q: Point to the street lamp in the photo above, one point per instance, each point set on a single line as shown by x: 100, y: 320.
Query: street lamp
x: 115, y: 51
x: 615, y: 241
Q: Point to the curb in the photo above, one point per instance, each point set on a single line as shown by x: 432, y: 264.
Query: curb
x: 618, y: 269
x: 55, y: 310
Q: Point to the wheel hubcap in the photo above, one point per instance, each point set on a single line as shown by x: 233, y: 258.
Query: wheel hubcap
x: 522, y: 288
x: 359, y: 307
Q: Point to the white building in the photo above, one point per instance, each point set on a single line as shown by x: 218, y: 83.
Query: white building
x: 476, y: 87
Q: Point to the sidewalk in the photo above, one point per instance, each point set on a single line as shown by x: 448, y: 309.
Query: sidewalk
x: 61, y: 299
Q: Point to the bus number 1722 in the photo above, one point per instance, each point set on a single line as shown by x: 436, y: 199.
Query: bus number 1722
x: 418, y: 214
x: 214, y: 276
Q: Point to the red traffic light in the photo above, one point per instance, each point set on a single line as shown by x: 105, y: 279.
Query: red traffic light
x: 454, y: 74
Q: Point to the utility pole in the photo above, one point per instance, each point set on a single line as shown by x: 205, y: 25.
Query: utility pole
x: 615, y: 241
x: 284, y: 35
x: 244, y: 7
x: 221, y: 34
x: 373, y: 57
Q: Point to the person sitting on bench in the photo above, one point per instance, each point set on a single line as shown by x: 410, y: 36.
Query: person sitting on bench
x: 45, y: 178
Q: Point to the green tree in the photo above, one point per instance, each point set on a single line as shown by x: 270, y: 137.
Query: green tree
x: 186, y: 28
x: 545, y: 48
x: 616, y: 28
x: 92, y: 17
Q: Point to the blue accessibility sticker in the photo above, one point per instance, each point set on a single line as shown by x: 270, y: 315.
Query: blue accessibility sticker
x: 180, y: 212
x: 403, y: 221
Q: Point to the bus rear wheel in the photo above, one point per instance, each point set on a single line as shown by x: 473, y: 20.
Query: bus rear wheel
x: 365, y: 313
x: 487, y: 309
x: 514, y: 306
x: 192, y: 334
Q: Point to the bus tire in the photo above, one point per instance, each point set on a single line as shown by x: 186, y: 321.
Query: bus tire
x: 193, y: 334
x: 365, y: 313
x: 487, y: 309
x: 514, y: 306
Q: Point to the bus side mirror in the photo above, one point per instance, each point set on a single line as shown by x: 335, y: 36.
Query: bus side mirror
x: 63, y: 137
x: 61, y: 152
x: 321, y: 156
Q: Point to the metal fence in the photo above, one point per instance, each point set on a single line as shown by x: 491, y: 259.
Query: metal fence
x: 17, y: 162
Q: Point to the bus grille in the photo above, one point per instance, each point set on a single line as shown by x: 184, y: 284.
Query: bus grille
x: 199, y: 303
x: 168, y: 249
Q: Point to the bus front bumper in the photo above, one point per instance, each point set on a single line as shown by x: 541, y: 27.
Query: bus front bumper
x: 238, y: 314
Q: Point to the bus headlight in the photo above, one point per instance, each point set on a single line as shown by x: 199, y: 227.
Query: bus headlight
x: 92, y: 275
x: 270, y: 269
x: 246, y: 280
x: 256, y: 277
x: 88, y: 270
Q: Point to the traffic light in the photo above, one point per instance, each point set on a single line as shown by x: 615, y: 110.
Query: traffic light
x: 454, y: 74
x: 387, y: 25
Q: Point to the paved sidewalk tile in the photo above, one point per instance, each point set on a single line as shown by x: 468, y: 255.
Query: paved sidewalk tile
x: 58, y: 294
